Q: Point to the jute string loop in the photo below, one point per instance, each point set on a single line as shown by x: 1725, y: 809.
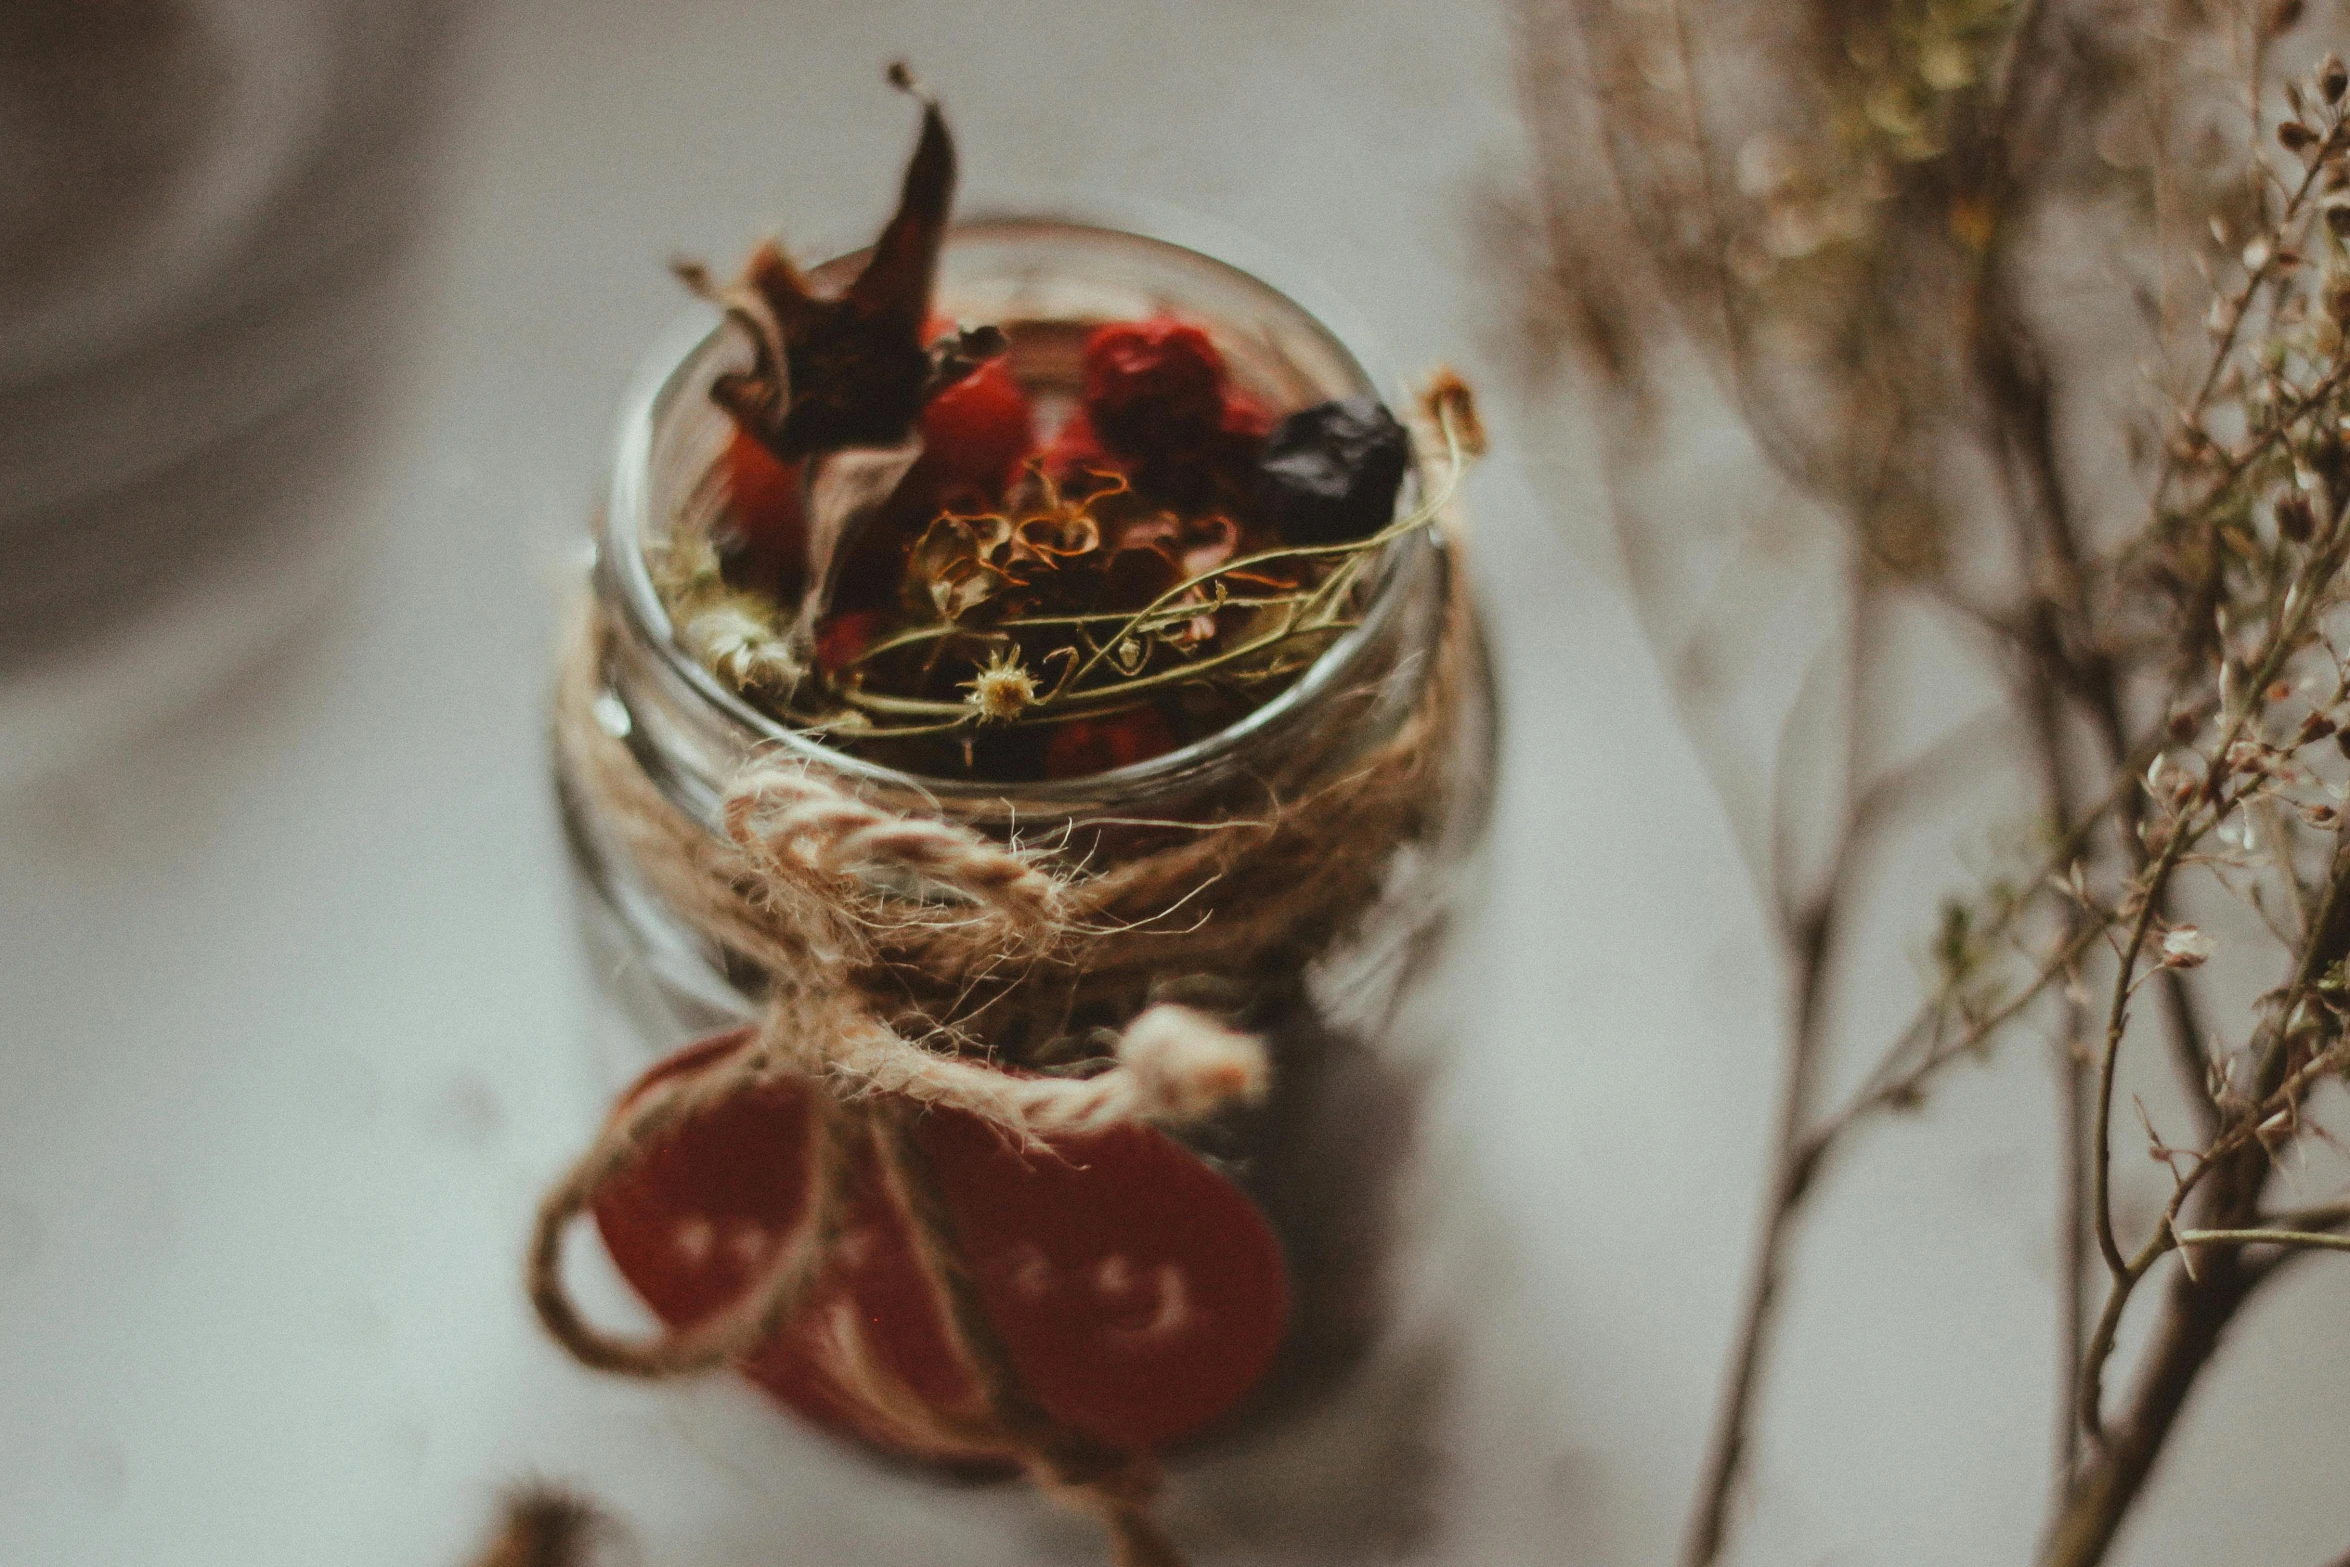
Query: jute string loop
x: 913, y: 961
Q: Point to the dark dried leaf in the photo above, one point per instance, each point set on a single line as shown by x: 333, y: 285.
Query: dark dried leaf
x: 2296, y: 519
x: 850, y: 370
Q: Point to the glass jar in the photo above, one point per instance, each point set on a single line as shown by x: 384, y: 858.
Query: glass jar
x: 1324, y: 1155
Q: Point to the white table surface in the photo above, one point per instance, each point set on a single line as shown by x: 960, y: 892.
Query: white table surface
x: 291, y: 1018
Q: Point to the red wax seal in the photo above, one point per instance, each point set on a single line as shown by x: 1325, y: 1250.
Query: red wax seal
x: 1138, y: 1292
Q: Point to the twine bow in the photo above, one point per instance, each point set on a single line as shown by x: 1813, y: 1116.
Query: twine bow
x: 804, y: 853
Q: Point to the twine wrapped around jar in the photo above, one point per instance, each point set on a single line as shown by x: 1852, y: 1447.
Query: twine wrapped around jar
x: 913, y: 961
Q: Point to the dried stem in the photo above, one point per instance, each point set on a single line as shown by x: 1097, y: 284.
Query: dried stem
x: 2315, y: 1239
x: 1795, y: 1162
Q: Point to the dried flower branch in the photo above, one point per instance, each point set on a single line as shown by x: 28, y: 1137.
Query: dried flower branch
x: 1863, y: 218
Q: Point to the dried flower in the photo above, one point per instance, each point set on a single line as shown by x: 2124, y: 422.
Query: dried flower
x: 1002, y: 690
x: 2184, y: 946
x: 736, y: 637
x: 850, y: 370
x: 1446, y: 394
x: 2196, y: 606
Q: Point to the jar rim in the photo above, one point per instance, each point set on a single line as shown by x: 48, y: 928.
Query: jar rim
x: 627, y: 520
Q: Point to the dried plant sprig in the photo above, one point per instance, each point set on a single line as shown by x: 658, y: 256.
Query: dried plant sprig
x: 852, y: 368
x: 1885, y: 309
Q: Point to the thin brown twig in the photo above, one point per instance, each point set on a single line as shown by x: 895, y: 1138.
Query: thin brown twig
x: 2316, y: 1240
x: 2223, y: 347
x: 1810, y: 932
x: 2072, y: 1102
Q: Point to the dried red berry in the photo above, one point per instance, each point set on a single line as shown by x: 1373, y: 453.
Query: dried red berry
x: 978, y: 431
x: 1138, y: 1292
x: 768, y: 546
x: 1153, y: 387
x: 1243, y: 418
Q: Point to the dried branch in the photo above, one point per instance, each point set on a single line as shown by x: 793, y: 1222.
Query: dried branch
x: 1851, y: 212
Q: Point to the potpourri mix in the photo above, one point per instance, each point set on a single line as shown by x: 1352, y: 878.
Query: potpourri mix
x: 1018, y: 550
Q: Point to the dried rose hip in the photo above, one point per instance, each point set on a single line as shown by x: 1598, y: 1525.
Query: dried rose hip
x: 1139, y: 1293
x: 1153, y: 387
x: 978, y: 431
x: 767, y: 532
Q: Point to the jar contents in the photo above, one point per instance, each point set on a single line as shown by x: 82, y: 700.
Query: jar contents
x: 1018, y: 550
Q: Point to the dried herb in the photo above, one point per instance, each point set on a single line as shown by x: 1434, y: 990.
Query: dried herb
x: 2036, y: 316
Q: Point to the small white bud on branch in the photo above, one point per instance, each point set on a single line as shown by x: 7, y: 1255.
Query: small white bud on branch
x: 2184, y: 946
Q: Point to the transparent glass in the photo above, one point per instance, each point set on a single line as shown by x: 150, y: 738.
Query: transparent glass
x: 1324, y: 1157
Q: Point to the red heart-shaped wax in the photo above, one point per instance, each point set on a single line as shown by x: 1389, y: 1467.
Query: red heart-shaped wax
x: 1138, y: 1292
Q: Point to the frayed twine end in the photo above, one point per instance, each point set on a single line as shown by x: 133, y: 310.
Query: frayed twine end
x: 1187, y: 1066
